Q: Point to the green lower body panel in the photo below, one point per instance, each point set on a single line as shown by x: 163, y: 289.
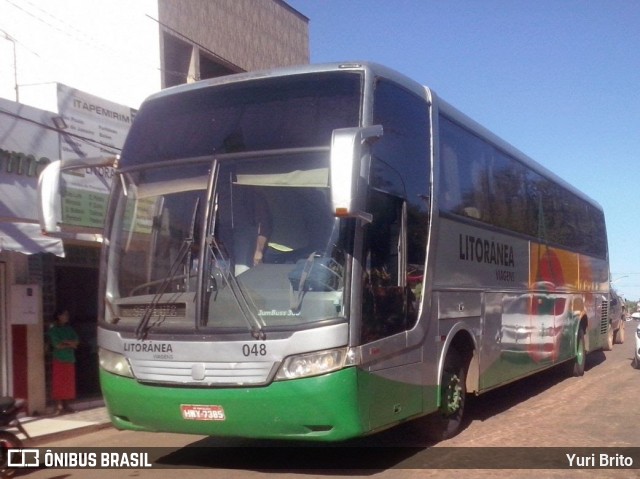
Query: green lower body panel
x: 322, y: 408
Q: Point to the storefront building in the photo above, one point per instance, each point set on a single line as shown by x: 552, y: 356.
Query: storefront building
x: 38, y: 274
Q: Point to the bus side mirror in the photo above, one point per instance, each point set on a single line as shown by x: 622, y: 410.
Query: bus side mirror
x: 49, y: 198
x: 49, y: 190
x: 347, y: 180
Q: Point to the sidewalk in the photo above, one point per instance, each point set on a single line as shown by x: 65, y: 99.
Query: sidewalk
x: 88, y: 416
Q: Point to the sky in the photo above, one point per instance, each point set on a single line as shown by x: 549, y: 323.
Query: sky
x: 555, y: 78
x: 558, y: 79
x: 85, y: 44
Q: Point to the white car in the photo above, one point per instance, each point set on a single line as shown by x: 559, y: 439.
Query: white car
x: 636, y: 355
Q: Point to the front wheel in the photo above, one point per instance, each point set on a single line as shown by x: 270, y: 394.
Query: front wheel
x: 447, y: 421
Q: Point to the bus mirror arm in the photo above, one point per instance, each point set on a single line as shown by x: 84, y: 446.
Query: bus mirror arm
x: 347, y: 172
x: 364, y: 216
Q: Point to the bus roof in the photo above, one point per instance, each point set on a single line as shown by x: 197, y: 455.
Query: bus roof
x: 368, y: 68
x: 372, y: 70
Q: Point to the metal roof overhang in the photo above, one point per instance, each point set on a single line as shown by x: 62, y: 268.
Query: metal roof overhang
x: 28, y: 239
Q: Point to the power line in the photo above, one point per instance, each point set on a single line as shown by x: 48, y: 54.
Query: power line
x: 67, y: 26
x: 77, y: 35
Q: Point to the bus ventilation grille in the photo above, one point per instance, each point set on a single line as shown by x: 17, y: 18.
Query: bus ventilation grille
x: 604, y: 321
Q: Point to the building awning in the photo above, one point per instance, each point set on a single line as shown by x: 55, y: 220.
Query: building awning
x: 26, y: 238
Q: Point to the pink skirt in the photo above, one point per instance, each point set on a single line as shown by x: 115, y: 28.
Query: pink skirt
x: 63, y: 380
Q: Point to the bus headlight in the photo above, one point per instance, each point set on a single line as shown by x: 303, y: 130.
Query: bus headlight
x: 314, y: 364
x: 114, y: 363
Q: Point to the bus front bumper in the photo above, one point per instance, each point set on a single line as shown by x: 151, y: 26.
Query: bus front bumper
x: 321, y: 408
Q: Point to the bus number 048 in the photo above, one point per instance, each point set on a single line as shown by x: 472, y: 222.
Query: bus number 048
x: 254, y: 350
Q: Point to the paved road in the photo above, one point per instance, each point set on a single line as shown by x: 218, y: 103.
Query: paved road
x: 548, y: 410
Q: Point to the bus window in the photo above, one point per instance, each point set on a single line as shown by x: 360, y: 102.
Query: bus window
x: 450, y: 187
x: 400, y: 163
x: 386, y: 308
x: 466, y: 185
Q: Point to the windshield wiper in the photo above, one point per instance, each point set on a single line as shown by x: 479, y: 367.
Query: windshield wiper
x: 319, y: 272
x: 185, y: 252
x: 254, y: 322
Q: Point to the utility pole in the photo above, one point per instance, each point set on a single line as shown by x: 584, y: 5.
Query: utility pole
x: 15, y: 63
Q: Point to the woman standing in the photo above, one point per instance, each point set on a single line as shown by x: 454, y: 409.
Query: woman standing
x: 64, y: 341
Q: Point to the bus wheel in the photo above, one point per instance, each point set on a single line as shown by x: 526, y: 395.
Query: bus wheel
x: 577, y: 364
x: 446, y: 422
x: 610, y: 339
x: 619, y: 337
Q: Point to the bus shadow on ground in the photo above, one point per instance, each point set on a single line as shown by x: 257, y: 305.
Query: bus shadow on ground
x: 278, y: 457
x: 369, y: 455
x: 403, y: 446
x: 505, y: 397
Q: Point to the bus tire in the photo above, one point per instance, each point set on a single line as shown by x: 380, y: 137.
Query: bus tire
x: 577, y: 363
x: 447, y: 421
x: 619, y: 335
x: 610, y: 338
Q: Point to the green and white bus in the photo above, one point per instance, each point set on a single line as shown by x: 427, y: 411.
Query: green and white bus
x: 323, y: 252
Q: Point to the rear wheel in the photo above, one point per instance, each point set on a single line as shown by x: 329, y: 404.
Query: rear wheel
x: 447, y: 421
x: 610, y: 339
x: 577, y: 364
x: 619, y: 336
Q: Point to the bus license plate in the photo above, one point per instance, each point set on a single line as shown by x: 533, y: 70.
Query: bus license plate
x: 193, y: 412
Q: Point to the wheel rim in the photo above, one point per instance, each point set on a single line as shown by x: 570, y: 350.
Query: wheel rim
x: 453, y: 396
x: 580, y: 352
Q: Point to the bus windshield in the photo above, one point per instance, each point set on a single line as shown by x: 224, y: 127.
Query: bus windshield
x: 255, y: 115
x: 272, y: 253
x: 276, y: 251
x: 221, y: 218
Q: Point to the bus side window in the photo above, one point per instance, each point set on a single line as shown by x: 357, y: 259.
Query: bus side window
x: 384, y: 305
x: 450, y: 194
x: 465, y: 184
